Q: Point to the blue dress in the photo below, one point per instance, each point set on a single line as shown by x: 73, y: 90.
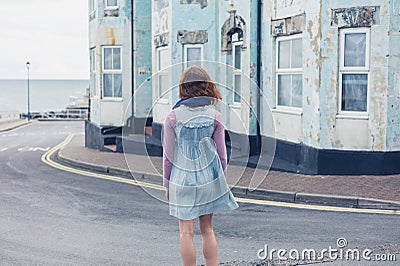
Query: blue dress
x: 197, y: 183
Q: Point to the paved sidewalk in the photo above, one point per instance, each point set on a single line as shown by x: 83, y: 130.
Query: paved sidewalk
x: 10, y: 125
x: 317, y: 189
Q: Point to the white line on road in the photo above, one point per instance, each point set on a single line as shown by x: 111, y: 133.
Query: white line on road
x: 23, y: 149
x: 3, y: 149
x: 13, y: 135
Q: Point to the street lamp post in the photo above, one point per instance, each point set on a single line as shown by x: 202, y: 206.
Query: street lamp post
x: 29, y: 113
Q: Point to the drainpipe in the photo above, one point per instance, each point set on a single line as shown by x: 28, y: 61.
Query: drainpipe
x: 132, y: 63
x: 259, y: 50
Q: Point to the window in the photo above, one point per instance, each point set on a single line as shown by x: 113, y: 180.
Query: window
x: 289, y: 76
x: 112, y: 72
x: 163, y: 63
x: 354, y: 69
x: 92, y: 6
x: 112, y: 4
x: 93, y: 84
x: 237, y: 71
x: 193, y: 53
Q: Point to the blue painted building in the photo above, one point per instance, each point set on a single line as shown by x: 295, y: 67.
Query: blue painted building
x: 218, y: 31
x: 328, y: 72
x: 119, y: 41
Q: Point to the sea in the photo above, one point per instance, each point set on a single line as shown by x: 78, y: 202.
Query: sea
x: 45, y: 95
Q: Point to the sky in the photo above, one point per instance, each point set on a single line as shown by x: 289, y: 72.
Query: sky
x: 51, y: 34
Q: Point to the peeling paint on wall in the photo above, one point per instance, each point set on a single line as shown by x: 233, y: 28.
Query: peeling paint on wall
x: 110, y: 36
x: 111, y: 12
x: 192, y: 37
x: 287, y: 3
x: 397, y: 83
x: 128, y: 9
x: 160, y: 4
x: 252, y: 70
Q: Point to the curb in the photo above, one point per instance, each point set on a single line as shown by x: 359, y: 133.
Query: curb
x: 153, y: 178
x: 259, y: 194
x: 60, y: 119
x: 15, y: 126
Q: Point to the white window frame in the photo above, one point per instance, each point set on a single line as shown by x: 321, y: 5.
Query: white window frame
x: 237, y: 72
x: 161, y: 72
x: 185, y: 53
x: 93, y: 72
x: 111, y: 7
x: 110, y: 71
x: 92, y: 6
x: 286, y: 71
x: 354, y: 70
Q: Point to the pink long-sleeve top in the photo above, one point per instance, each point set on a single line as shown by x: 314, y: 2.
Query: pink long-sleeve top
x: 169, y: 140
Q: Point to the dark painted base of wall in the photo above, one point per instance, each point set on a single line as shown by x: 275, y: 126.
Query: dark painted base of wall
x: 139, y: 144
x: 156, y: 130
x: 137, y: 125
x: 304, y: 159
x: 336, y: 162
x: 96, y: 137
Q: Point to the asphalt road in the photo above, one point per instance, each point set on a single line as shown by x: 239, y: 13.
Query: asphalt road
x: 50, y: 217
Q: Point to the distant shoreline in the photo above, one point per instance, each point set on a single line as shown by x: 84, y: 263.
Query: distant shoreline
x: 51, y: 79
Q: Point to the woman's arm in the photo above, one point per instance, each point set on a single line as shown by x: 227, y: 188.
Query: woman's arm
x: 219, y: 139
x: 168, y: 146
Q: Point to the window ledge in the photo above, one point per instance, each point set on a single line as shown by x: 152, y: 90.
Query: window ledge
x: 162, y: 101
x: 298, y: 112
x: 353, y: 116
x: 235, y: 105
x: 111, y: 99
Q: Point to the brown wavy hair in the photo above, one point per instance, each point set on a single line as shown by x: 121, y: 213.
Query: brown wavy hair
x: 195, y: 82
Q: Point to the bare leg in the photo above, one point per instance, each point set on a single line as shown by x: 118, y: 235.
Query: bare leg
x: 210, y: 250
x: 188, y: 251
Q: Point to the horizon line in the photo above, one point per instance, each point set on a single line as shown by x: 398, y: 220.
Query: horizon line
x: 45, y: 78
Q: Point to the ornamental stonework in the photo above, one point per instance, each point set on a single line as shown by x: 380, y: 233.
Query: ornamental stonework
x: 192, y: 37
x: 360, y: 16
x: 202, y: 3
x: 288, y: 26
x: 161, y: 40
x: 235, y: 24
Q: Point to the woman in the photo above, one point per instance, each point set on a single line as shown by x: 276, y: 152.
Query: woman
x: 194, y: 163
